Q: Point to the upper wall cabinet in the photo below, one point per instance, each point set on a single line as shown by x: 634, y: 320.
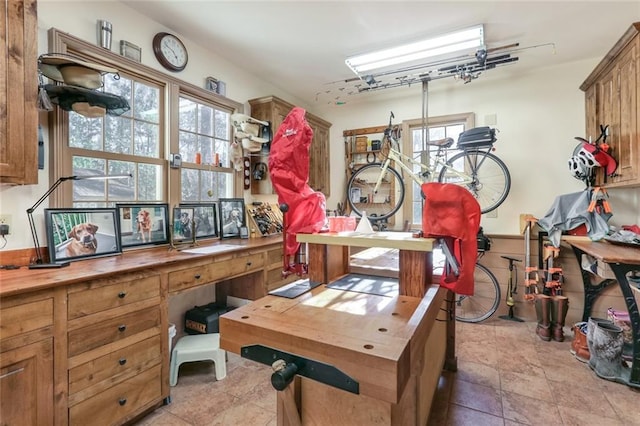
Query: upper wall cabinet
x: 18, y: 92
x: 275, y: 110
x: 612, y: 97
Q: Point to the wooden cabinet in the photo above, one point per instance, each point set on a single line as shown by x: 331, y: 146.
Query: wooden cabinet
x: 612, y: 97
x: 18, y: 92
x: 275, y: 110
x: 26, y: 359
x: 114, y: 347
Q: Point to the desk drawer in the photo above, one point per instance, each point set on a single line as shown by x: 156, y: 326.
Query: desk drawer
x: 217, y: 271
x: 274, y: 256
x: 25, y: 317
x: 120, y: 401
x: 112, y: 330
x: 101, y: 295
x: 125, y: 361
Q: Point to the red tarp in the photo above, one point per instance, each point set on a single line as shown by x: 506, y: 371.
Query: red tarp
x: 452, y: 213
x: 289, y: 171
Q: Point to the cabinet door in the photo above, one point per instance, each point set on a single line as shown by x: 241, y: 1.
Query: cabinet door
x: 591, y: 111
x: 18, y: 92
x: 319, y: 160
x: 628, y: 142
x: 609, y: 114
x: 26, y: 373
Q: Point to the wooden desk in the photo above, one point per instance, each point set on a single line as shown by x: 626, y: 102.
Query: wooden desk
x: 622, y: 260
x: 393, y: 347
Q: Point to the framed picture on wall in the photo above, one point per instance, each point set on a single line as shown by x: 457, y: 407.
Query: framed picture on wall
x: 205, y: 219
x: 232, y: 217
x: 143, y: 224
x: 74, y: 234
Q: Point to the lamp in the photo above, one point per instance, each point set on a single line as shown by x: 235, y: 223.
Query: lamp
x: 39, y: 263
x: 470, y: 38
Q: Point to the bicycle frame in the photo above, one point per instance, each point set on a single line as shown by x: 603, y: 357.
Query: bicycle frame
x: 436, y: 163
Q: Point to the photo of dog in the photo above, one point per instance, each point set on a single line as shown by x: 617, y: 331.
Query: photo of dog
x: 83, y: 240
x: 144, y: 225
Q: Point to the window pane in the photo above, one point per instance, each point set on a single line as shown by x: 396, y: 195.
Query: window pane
x: 187, y: 146
x: 85, y: 132
x: 222, y: 127
x: 121, y: 189
x: 117, y: 136
x: 187, y: 115
x: 205, y: 120
x: 146, y: 105
x: 147, y: 139
x: 205, y: 147
x: 190, y: 184
x: 88, y: 190
x: 149, y: 182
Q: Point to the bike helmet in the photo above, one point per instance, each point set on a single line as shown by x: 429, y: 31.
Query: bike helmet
x: 588, y: 157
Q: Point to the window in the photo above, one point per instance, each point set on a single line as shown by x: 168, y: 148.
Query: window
x: 204, y: 139
x: 116, y: 145
x: 166, y: 116
x: 449, y: 126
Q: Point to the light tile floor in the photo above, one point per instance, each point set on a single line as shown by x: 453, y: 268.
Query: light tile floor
x: 506, y: 376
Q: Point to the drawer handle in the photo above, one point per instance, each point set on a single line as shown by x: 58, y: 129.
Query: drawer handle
x: 122, y: 294
x: 122, y: 361
x: 122, y: 327
x: 122, y: 401
x: 248, y: 263
x: 197, y: 276
x: 11, y: 373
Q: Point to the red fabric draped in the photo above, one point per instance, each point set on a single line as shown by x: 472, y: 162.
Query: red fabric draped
x: 452, y: 213
x: 289, y: 171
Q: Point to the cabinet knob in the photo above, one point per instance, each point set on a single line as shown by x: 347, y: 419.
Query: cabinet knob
x: 197, y: 276
x: 122, y: 401
x: 248, y: 263
x: 122, y: 361
x: 122, y: 294
x: 122, y: 327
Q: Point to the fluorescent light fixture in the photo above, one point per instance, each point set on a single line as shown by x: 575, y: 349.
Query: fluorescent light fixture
x: 467, y: 39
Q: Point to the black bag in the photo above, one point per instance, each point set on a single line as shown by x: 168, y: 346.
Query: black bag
x: 478, y: 137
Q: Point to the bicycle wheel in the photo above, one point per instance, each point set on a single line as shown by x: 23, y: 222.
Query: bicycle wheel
x: 488, y: 178
x: 384, y: 203
x: 485, y: 299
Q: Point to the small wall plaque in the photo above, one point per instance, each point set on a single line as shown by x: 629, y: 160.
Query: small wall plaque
x: 130, y: 50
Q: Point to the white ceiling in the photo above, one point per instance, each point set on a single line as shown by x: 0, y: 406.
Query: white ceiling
x: 300, y: 46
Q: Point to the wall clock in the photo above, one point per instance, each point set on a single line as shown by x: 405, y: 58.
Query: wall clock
x: 170, y: 51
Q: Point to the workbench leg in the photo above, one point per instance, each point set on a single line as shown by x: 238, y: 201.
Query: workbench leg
x: 450, y: 359
x: 591, y: 292
x: 620, y: 271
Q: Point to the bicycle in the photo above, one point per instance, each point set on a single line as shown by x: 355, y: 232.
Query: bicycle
x: 486, y: 296
x: 379, y: 189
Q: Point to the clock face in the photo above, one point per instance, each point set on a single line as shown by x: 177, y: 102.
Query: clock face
x: 170, y: 51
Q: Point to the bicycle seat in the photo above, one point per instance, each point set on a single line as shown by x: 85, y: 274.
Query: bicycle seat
x: 444, y: 143
x: 511, y: 259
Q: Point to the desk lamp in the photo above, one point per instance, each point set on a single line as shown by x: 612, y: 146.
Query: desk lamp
x: 39, y: 263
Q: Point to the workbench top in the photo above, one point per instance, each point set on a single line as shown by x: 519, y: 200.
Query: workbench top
x: 392, y: 240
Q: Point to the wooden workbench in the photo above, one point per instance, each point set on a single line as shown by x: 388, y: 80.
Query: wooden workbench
x: 392, y: 347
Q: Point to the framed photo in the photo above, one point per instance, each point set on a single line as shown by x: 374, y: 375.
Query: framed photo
x: 143, y: 224
x: 182, y: 231
x: 205, y: 219
x: 75, y: 234
x: 232, y: 217
x: 215, y: 85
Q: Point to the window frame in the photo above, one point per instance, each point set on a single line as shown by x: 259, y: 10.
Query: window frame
x: 171, y: 87
x: 466, y: 118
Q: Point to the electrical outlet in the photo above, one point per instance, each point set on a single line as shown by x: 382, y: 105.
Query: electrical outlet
x: 5, y: 219
x: 493, y: 214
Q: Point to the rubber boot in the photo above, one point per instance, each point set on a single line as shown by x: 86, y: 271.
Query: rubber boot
x: 607, y: 351
x: 559, y: 308
x: 543, y: 330
x: 591, y: 327
x: 579, y: 347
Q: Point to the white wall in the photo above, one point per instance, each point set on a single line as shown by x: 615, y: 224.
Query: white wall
x: 538, y: 116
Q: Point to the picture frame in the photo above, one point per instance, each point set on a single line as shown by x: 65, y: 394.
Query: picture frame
x: 205, y: 218
x: 232, y: 217
x: 130, y: 50
x: 143, y: 224
x: 82, y: 233
x: 215, y: 85
x: 182, y: 230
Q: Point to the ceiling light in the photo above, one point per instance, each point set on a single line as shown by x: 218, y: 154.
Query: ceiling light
x: 467, y: 39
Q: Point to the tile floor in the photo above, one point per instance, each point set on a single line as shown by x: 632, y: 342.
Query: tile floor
x: 506, y: 376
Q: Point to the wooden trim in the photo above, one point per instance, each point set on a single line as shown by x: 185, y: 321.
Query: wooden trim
x: 364, y: 131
